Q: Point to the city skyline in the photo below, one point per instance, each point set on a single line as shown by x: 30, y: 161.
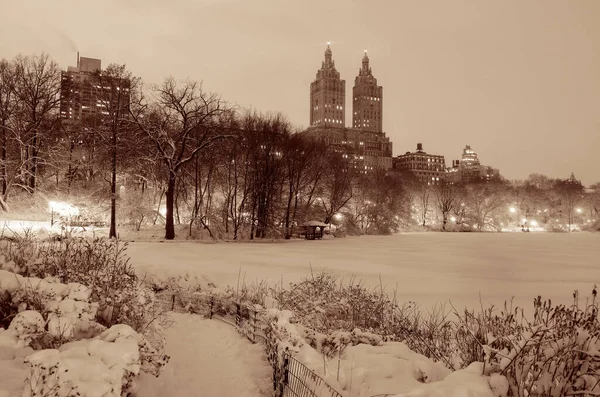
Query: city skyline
x: 519, y: 82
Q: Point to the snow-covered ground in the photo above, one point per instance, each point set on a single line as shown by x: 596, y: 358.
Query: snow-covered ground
x: 427, y: 268
x: 209, y: 358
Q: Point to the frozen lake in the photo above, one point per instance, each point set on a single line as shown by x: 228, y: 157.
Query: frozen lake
x: 424, y: 267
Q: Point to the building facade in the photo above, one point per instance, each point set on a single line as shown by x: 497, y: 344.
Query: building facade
x: 85, y: 92
x: 365, y: 145
x: 328, y: 96
x: 366, y: 151
x: 427, y: 168
x: 367, y: 100
x: 469, y: 169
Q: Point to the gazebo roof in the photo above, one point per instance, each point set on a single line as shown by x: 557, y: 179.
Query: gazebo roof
x: 315, y: 224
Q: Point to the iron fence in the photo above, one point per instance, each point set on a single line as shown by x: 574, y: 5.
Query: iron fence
x: 291, y: 378
x: 300, y: 381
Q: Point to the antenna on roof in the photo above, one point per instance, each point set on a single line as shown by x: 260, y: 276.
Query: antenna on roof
x: 77, y: 59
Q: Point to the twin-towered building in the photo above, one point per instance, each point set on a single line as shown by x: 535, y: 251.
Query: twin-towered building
x: 364, y: 143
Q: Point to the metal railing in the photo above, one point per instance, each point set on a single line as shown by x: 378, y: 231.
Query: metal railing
x: 300, y: 381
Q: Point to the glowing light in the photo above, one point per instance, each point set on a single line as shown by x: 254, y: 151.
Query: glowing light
x: 453, y: 219
x: 533, y: 223
x: 524, y: 220
x: 512, y: 210
x: 579, y: 210
x: 163, y: 211
x: 338, y: 216
x: 62, y: 208
x: 328, y: 43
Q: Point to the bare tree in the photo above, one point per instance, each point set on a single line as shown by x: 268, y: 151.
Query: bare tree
x: 304, y: 168
x: 8, y: 105
x: 484, y: 201
x: 594, y: 198
x: 266, y: 138
x: 110, y: 125
x: 337, y: 185
x: 570, y: 193
x: 423, y: 199
x: 446, y: 198
x: 182, y: 121
x: 37, y: 88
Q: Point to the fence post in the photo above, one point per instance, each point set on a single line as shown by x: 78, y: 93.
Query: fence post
x: 285, y: 375
x: 173, y: 302
x: 254, y: 325
x: 274, y: 356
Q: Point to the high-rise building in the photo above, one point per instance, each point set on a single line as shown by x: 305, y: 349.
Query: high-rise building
x: 367, y: 100
x: 365, y: 146
x: 85, y: 92
x: 328, y: 95
x: 427, y: 168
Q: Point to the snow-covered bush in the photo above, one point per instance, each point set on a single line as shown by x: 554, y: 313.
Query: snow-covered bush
x: 336, y: 342
x: 106, y: 365
x: 100, y: 264
x: 67, y: 293
x: 67, y: 320
x: 324, y: 303
x: 555, y: 354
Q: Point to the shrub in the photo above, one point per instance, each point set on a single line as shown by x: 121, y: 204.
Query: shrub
x: 555, y: 354
x: 101, y: 265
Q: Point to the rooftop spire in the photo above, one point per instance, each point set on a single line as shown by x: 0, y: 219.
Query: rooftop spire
x: 328, y: 53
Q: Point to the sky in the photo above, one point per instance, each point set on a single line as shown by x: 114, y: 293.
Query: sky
x: 518, y: 80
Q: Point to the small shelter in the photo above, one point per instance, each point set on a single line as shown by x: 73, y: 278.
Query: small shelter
x: 313, y: 229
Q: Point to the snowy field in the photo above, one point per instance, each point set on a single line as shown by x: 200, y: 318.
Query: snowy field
x: 428, y: 268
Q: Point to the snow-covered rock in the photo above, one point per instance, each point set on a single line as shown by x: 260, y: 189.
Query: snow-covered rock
x: 98, y: 367
x: 26, y: 325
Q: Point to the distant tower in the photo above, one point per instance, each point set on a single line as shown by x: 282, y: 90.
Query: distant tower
x: 328, y: 96
x: 367, y: 100
x: 469, y: 156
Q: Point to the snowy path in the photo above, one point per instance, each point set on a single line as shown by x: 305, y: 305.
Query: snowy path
x: 209, y: 359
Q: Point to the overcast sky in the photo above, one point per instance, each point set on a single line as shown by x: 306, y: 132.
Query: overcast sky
x: 518, y: 80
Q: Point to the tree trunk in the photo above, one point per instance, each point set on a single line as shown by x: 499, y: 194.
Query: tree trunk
x: 288, y: 211
x: 34, y: 161
x: 113, y: 187
x: 70, y: 169
x: 3, y: 157
x: 170, y: 226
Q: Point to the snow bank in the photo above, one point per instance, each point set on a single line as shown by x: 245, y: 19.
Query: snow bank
x: 96, y: 362
x: 65, y: 305
x: 100, y: 367
x: 369, y: 366
x: 13, y: 369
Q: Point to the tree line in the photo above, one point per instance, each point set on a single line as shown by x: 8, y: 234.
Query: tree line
x: 177, y: 155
